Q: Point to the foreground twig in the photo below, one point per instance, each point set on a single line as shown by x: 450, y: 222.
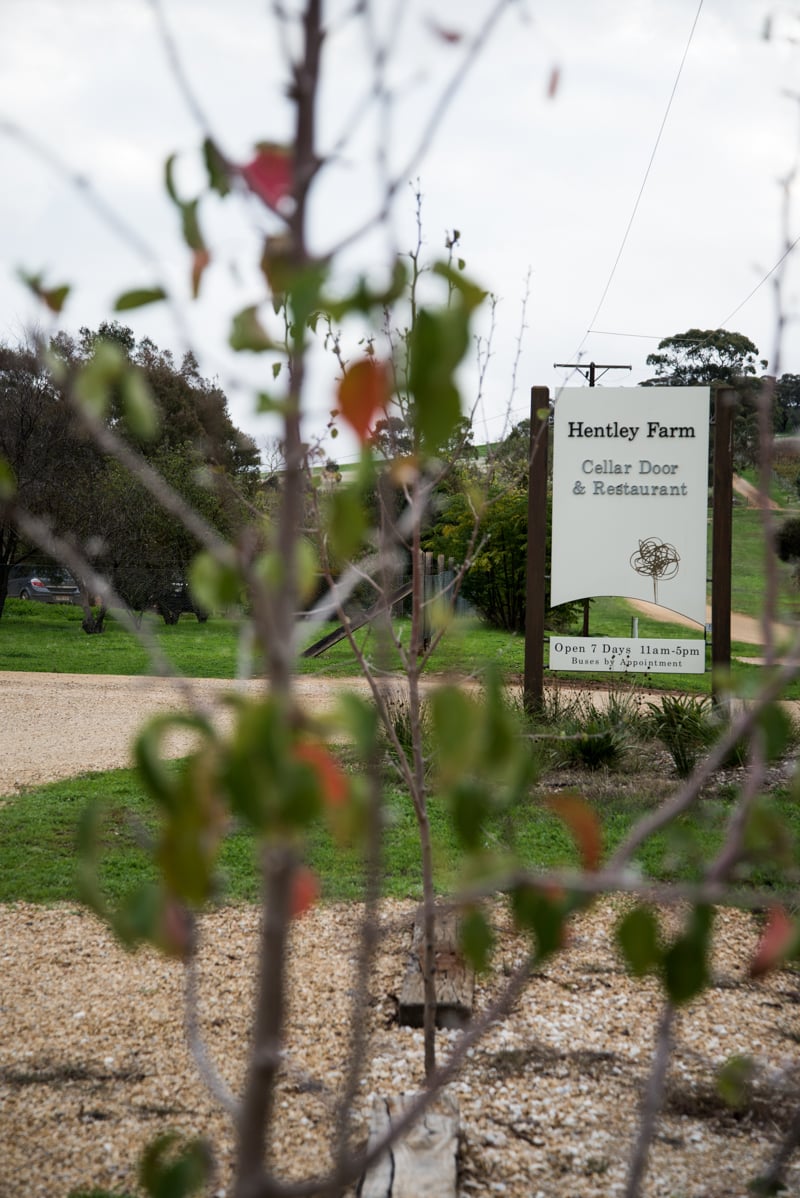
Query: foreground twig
x: 651, y: 1104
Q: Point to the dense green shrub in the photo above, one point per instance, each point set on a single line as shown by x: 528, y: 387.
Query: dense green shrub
x: 686, y: 726
x: 495, y: 583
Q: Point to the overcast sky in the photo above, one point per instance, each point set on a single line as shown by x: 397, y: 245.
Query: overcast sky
x: 538, y: 178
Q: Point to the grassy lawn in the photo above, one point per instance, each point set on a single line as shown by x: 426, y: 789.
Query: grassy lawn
x: 747, y: 588
x: 48, y: 638
x: 38, y: 829
x: 38, y: 637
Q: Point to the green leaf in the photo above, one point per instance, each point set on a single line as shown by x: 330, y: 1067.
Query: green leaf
x: 541, y: 915
x: 271, y: 569
x: 87, y: 839
x: 638, y: 938
x: 685, y: 963
x: 159, y: 776
x: 307, y: 569
x: 169, y: 179
x: 139, y: 916
x: 471, y: 805
x: 767, y: 836
x: 477, y: 940
x: 214, y: 586
x: 299, y: 795
x: 138, y: 298
x: 190, y: 225
x: 499, y: 731
x: 52, y: 297
x: 192, y: 834
x: 216, y: 168
x: 734, y: 1079
x: 104, y: 370
x: 777, y: 729
x: 247, y: 333
x: 471, y: 294
x: 437, y: 343
x: 55, y: 297
x: 171, y: 1168
x: 303, y: 290
x: 364, y: 298
x: 348, y: 525
x: 360, y: 719
x: 271, y: 403
x: 455, y: 724
x: 255, y: 766
x: 141, y: 412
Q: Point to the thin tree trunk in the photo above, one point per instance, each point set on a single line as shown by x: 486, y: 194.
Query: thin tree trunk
x: 420, y: 803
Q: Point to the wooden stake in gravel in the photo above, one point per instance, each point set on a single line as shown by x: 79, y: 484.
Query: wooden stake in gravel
x: 423, y: 1163
x: 454, y: 979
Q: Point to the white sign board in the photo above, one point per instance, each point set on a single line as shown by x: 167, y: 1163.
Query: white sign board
x: 638, y: 654
x: 630, y: 495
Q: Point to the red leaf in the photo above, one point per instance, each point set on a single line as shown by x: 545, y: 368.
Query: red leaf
x: 271, y: 174
x: 553, y: 82
x: 363, y: 392
x: 776, y: 941
x: 452, y: 36
x: 332, y: 779
x: 200, y: 260
x: 583, y: 824
x: 305, y: 891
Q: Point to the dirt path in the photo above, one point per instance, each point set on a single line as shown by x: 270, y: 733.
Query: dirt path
x: 743, y: 628
x: 755, y: 498
x: 58, y: 725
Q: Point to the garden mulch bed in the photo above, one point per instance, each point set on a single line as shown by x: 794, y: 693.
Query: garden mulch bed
x: 93, y: 1057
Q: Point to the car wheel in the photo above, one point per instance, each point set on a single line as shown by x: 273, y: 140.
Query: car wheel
x: 24, y: 594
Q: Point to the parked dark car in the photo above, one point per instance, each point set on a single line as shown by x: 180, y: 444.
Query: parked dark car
x: 47, y: 584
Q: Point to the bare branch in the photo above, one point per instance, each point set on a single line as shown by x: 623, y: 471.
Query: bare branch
x: 176, y: 67
x: 83, y: 186
x: 214, y: 1082
x: 435, y: 119
x: 651, y: 1104
x: 772, y: 1181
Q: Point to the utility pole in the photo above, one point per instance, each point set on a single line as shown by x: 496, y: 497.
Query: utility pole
x: 722, y: 538
x: 589, y: 372
x: 590, y: 369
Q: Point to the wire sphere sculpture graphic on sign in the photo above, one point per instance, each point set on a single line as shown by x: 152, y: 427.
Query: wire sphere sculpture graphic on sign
x: 657, y: 560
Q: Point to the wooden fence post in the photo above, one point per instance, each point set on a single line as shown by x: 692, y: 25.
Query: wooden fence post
x: 533, y: 686
x: 725, y: 399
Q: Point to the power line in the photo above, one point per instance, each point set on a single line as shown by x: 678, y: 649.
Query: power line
x: 612, y: 333
x: 656, y: 337
x: 768, y: 275
x: 646, y: 176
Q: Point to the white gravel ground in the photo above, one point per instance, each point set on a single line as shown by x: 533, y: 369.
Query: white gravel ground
x: 93, y: 1060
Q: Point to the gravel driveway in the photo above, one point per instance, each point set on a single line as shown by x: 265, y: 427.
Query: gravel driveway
x: 58, y: 725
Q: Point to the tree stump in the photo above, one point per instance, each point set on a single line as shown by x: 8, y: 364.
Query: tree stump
x: 422, y: 1163
x: 454, y: 980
